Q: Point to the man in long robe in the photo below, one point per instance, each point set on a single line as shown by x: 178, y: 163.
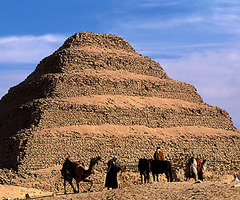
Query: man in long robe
x: 113, y: 169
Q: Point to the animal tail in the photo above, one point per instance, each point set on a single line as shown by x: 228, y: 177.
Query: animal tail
x: 65, y: 166
x: 170, y: 171
x: 149, y: 166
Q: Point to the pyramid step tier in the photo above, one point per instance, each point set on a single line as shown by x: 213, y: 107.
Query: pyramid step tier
x: 94, y: 82
x: 128, y: 110
x: 77, y: 57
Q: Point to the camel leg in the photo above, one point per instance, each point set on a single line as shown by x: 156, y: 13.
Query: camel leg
x: 64, y: 184
x: 70, y: 182
x: 77, y: 186
x: 89, y: 181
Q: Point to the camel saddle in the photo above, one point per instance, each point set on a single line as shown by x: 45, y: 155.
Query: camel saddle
x: 75, y: 161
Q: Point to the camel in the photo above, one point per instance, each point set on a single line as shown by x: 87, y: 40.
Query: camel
x: 72, y: 169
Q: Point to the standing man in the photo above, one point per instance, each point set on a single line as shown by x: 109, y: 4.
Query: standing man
x: 193, y: 168
x: 158, y: 155
x: 113, y: 169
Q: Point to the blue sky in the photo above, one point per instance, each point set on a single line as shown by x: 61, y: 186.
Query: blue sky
x: 197, y: 42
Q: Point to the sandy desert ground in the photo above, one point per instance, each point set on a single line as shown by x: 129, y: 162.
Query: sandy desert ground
x: 225, y: 189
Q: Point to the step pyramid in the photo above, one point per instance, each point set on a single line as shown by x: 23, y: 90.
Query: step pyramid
x: 96, y: 95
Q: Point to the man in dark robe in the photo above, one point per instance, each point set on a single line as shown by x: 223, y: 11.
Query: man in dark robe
x: 113, y: 169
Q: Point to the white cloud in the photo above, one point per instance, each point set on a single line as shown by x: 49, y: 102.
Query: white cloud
x: 28, y: 49
x: 215, y: 74
x: 156, y: 3
x: 30, y: 38
x: 19, y: 50
x: 156, y: 23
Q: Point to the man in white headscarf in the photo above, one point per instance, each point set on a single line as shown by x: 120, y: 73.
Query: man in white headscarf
x: 158, y: 155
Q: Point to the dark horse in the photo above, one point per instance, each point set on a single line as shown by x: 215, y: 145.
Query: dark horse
x: 144, y: 167
x: 157, y: 167
x: 72, y: 169
x: 160, y: 167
